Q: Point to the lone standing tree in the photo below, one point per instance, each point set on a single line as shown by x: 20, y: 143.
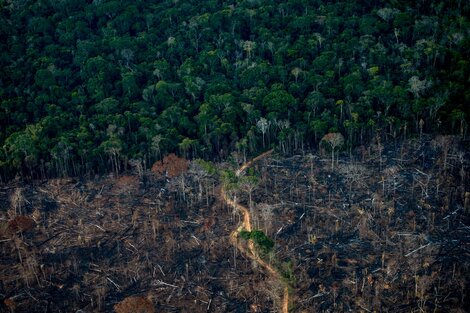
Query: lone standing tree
x: 333, y: 140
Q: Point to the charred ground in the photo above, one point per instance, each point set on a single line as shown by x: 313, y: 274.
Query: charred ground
x: 385, y: 229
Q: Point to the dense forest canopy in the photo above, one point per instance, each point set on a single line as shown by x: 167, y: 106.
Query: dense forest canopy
x: 93, y: 86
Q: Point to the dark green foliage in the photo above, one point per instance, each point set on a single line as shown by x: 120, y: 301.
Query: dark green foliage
x: 245, y: 235
x: 104, y: 82
x: 263, y: 242
x: 230, y: 180
x: 207, y: 166
x: 287, y: 271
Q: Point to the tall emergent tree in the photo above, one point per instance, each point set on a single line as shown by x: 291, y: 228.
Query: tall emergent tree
x: 333, y: 141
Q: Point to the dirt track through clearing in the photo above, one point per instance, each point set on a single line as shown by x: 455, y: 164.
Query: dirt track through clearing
x: 246, y: 225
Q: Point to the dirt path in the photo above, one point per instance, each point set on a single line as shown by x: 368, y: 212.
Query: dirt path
x: 246, y: 225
